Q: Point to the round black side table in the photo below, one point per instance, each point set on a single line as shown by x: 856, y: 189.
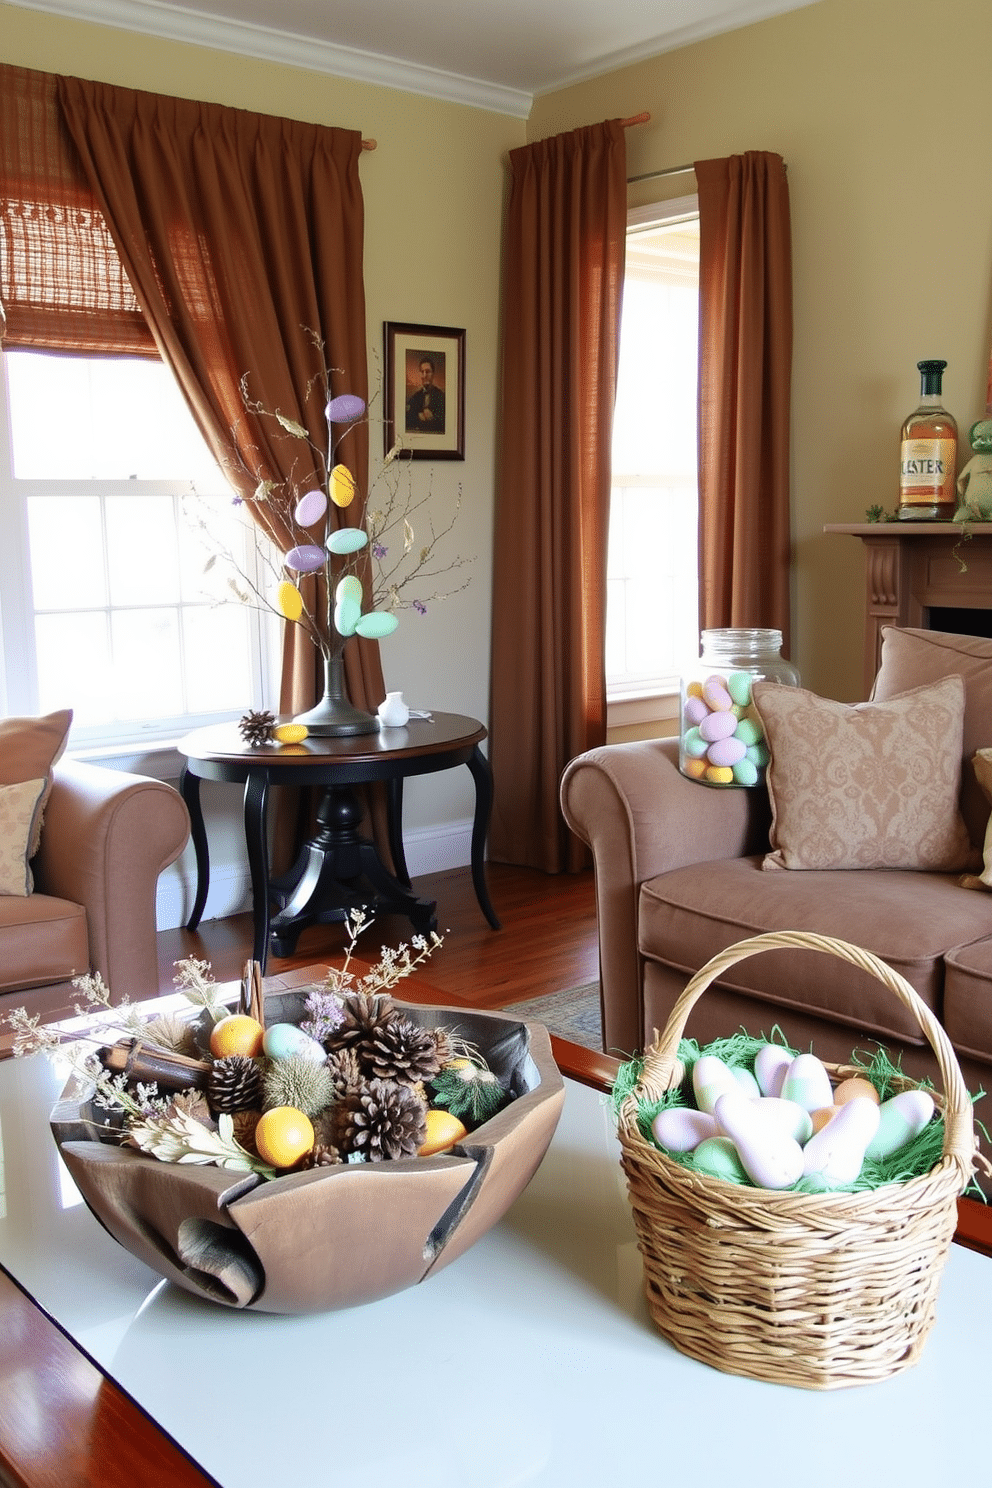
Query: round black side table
x: 338, y: 869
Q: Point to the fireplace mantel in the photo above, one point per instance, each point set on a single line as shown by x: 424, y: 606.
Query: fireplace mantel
x: 915, y: 568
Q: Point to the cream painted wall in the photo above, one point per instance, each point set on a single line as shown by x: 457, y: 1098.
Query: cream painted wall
x: 880, y: 108
x: 434, y: 196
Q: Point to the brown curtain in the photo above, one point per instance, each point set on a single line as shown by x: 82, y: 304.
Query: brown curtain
x: 562, y: 286
x: 745, y: 366
x: 240, y: 233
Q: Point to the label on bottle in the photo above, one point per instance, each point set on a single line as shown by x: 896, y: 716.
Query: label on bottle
x: 927, y: 470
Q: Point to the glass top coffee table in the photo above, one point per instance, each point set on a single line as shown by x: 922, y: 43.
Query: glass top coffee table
x: 530, y: 1360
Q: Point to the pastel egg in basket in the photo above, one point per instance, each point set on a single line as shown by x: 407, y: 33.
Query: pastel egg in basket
x: 326, y: 1237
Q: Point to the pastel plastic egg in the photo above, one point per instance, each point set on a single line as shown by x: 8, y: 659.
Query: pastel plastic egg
x: 347, y: 614
x: 770, y: 1157
x: 290, y: 733
x: 680, y: 1129
x: 310, y: 508
x: 694, y: 768
x: 746, y: 1082
x: 342, y: 486
x: 346, y: 540
x: 695, y: 710
x: 758, y: 755
x: 771, y: 1065
x: 717, y: 1157
x: 350, y: 587
x: 796, y: 1122
x: 807, y: 1083
x: 306, y: 558
x: 856, y: 1085
x: 745, y: 773
x: 836, y: 1152
x: 822, y: 1116
x: 694, y: 689
x: 719, y: 775
x: 728, y: 752
x: 717, y: 726
x: 344, y: 409
x: 285, y: 1040
x: 900, y: 1119
x: 715, y: 695
x: 376, y: 624
x: 711, y: 1078
x: 739, y: 687
x: 749, y: 731
x: 693, y: 744
x: 289, y: 601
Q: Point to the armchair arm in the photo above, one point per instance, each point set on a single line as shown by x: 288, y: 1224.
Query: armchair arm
x: 641, y: 816
x: 107, y: 836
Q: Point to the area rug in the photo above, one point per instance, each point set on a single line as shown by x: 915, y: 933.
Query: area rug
x: 572, y: 1015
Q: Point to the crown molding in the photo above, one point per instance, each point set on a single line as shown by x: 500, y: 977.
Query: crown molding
x: 170, y: 23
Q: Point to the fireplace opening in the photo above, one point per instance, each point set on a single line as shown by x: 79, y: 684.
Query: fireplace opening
x: 960, y: 621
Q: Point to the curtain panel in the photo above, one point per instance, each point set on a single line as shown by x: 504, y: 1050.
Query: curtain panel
x: 745, y: 370
x: 242, y: 236
x: 562, y: 286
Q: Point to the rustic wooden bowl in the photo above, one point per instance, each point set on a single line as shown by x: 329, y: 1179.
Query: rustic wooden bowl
x: 335, y: 1236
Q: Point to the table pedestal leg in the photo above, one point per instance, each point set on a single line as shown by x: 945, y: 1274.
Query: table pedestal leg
x: 189, y: 789
x: 339, y: 871
x: 483, y: 777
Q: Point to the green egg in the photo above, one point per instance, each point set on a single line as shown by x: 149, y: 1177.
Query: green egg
x: 350, y: 587
x: 693, y: 743
x: 745, y: 772
x: 346, y: 540
x: 347, y: 615
x: 758, y: 755
x: 748, y: 731
x: 739, y: 687
x: 717, y: 1157
x: 376, y: 625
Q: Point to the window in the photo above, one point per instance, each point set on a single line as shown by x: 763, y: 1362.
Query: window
x: 105, y: 605
x: 652, y: 585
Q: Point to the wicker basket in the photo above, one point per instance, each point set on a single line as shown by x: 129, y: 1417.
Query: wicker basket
x: 819, y: 1291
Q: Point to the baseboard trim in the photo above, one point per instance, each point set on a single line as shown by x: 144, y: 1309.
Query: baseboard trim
x: 428, y: 850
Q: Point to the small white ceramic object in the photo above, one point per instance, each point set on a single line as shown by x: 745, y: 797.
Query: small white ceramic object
x: 393, y: 711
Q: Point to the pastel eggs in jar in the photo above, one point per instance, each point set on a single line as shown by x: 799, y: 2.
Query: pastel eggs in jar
x: 721, y: 737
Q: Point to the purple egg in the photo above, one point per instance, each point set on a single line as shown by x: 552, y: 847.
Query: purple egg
x: 306, y: 558
x: 695, y: 710
x: 344, y: 409
x: 310, y: 508
x: 726, y: 752
x: 718, y: 726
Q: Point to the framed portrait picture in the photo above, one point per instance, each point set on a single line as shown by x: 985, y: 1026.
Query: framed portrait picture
x: 425, y: 390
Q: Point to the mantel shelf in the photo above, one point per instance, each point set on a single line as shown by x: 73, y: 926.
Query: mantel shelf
x: 911, y: 529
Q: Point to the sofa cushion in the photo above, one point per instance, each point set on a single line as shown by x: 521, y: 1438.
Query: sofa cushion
x: 43, y: 940
x: 871, y: 786
x: 29, y: 749
x: 911, y: 658
x: 20, y: 807
x: 968, y: 999
x: 908, y: 919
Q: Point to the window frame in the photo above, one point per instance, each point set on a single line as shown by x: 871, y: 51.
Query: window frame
x: 122, y: 742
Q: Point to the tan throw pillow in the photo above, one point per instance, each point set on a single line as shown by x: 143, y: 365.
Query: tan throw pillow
x: 20, y: 808
x: 874, y: 785
x: 29, y: 749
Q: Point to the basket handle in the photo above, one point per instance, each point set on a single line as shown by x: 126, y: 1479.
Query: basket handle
x: 661, y: 1055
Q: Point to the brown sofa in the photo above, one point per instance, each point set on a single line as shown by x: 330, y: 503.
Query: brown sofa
x: 679, y: 877
x: 106, y: 838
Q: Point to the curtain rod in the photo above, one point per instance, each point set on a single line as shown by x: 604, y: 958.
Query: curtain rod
x: 673, y: 170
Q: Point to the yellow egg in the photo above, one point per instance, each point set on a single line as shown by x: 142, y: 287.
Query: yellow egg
x: 341, y: 486
x: 695, y: 768
x: 289, y: 600
x: 856, y: 1085
x: 290, y: 733
x: 443, y: 1131
x: 821, y: 1116
x: 719, y: 774
x: 283, y: 1135
x: 236, y: 1034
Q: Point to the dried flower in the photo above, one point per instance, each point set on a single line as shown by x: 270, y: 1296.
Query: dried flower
x: 181, y: 1138
x: 195, y: 981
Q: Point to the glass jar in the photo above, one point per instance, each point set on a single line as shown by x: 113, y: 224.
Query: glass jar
x: 721, y: 739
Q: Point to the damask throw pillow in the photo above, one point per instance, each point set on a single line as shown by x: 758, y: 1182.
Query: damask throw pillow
x: 870, y: 785
x: 982, y: 765
x: 29, y: 750
x: 20, y: 807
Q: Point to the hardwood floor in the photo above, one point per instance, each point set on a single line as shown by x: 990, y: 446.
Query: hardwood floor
x: 547, y: 944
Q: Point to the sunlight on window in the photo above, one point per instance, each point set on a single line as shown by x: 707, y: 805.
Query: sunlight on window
x: 652, y: 575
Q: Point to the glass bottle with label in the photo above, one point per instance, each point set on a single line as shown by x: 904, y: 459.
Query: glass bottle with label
x: 928, y: 454
x: 722, y: 740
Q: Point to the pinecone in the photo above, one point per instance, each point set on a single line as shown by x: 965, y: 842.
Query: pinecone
x: 401, y: 1051
x: 256, y: 727
x: 245, y: 1123
x: 322, y: 1155
x: 346, y: 1075
x: 445, y: 1046
x: 235, y: 1083
x: 365, y: 1016
x: 383, y: 1122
